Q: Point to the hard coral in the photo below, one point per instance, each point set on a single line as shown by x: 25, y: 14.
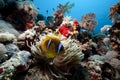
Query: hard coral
x: 7, y: 37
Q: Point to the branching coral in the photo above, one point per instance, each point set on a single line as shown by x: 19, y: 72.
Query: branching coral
x: 61, y: 10
x: 88, y: 21
x: 65, y: 8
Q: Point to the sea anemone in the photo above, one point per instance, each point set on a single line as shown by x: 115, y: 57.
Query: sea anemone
x: 56, y: 65
x: 72, y: 56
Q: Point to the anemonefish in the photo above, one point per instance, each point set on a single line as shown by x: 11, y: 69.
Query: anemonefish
x: 52, y: 46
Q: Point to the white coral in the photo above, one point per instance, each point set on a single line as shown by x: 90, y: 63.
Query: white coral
x: 27, y: 34
x: 105, y: 28
x: 66, y: 20
x: 4, y: 37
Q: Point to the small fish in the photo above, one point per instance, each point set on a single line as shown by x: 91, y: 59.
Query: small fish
x: 51, y: 46
x: 60, y: 46
x: 53, y: 9
x: 47, y: 11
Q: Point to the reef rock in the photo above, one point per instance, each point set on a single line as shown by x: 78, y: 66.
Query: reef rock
x: 16, y: 62
x: 11, y: 49
x: 2, y: 3
x: 7, y: 27
x: 3, y: 52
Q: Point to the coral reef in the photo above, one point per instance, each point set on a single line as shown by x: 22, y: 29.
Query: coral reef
x: 60, y: 48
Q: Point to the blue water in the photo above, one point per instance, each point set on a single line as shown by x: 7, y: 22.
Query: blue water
x: 99, y: 7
